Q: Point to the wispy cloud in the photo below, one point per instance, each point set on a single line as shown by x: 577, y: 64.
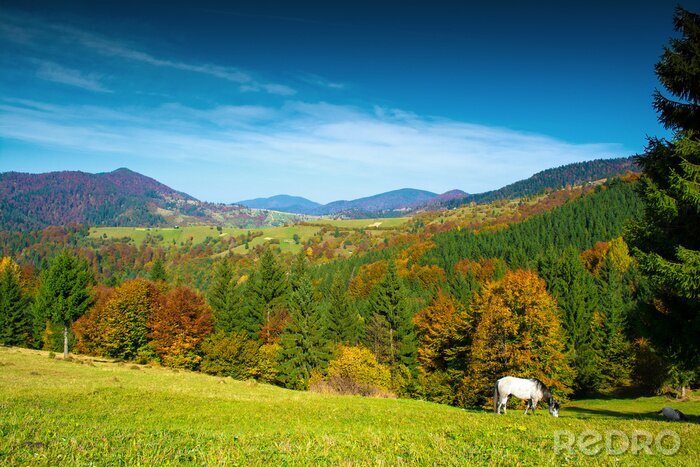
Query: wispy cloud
x: 36, y: 34
x: 319, y: 149
x: 54, y: 72
x: 320, y: 81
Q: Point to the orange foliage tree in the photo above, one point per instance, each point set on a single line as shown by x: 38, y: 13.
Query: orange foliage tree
x: 178, y: 326
x: 366, y: 279
x: 443, y: 330
x: 518, y: 334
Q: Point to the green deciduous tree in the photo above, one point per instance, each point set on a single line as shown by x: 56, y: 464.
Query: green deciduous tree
x: 64, y: 293
x: 666, y: 241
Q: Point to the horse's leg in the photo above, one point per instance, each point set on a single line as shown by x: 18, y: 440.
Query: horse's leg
x: 527, y: 405
x: 534, y: 405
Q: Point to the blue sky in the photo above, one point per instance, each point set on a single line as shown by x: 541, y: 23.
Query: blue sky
x: 329, y: 100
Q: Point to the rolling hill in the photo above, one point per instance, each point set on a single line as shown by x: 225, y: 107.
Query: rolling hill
x: 119, y: 198
x: 551, y: 179
x: 285, y: 203
x: 391, y: 203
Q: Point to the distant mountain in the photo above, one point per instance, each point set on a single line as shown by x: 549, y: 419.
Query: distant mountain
x: 118, y: 198
x: 383, y: 203
x: 553, y: 179
x: 284, y: 203
x: 391, y: 203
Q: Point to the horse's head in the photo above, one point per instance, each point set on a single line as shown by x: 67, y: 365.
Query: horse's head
x: 553, y: 407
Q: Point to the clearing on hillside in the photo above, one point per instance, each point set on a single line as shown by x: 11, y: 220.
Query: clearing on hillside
x: 88, y: 411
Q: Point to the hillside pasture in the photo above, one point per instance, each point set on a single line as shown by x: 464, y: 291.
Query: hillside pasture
x: 91, y: 411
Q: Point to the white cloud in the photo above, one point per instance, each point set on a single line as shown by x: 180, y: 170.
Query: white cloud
x: 54, y: 72
x: 319, y: 150
x: 35, y: 34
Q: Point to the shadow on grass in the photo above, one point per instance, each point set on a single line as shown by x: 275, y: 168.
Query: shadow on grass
x: 627, y: 415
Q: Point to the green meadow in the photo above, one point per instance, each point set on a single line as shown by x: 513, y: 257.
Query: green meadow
x: 283, y: 236
x: 91, y: 411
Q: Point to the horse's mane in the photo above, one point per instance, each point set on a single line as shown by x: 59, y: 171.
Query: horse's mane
x: 542, y: 387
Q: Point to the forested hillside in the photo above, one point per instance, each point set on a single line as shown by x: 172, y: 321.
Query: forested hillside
x: 419, y: 302
x: 553, y: 179
x: 118, y: 198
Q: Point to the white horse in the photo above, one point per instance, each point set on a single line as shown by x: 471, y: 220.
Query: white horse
x: 531, y: 390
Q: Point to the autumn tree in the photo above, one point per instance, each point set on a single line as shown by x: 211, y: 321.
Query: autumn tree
x: 355, y: 370
x: 117, y: 326
x: 666, y: 240
x: 178, y: 326
x: 64, y: 293
x: 444, y: 331
x: 15, y: 319
x: 518, y: 334
x: 230, y: 354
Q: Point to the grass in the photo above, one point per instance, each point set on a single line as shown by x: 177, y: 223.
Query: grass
x: 283, y: 235
x: 138, y: 234
x: 88, y: 411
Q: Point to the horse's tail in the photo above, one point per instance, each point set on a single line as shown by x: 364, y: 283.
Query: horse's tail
x: 496, y: 397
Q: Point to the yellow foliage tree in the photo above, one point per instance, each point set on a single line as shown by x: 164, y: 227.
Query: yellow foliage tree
x: 518, y: 334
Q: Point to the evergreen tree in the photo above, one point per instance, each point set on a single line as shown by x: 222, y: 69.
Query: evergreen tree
x: 264, y: 297
x: 577, y: 299
x: 303, y: 346
x: 224, y: 299
x: 158, y: 271
x: 666, y: 241
x: 391, y: 330
x: 15, y: 321
x: 344, y: 322
x: 609, y: 325
x: 64, y: 293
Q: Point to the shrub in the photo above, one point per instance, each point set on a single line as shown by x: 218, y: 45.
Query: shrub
x: 233, y: 355
x: 355, y: 370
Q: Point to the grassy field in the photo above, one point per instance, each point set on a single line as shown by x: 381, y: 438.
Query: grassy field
x: 94, y: 412
x: 283, y: 236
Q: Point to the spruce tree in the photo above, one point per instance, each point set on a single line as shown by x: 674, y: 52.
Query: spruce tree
x: 609, y: 333
x: 344, y: 325
x: 64, y: 293
x: 158, y: 271
x: 224, y: 299
x: 15, y: 321
x: 576, y: 294
x: 666, y: 241
x: 390, y: 321
x: 304, y: 348
x: 264, y: 296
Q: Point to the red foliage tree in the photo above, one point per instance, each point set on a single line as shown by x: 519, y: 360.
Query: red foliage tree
x: 178, y: 327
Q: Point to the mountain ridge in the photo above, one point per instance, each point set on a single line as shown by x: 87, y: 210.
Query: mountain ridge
x: 130, y: 199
